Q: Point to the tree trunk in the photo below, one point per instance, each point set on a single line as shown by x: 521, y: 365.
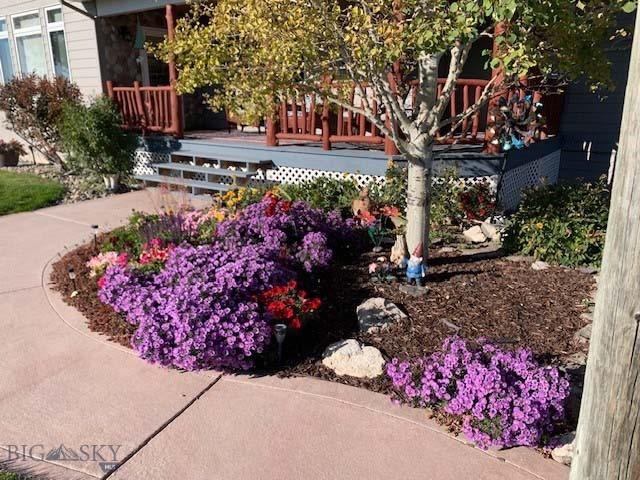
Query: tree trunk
x: 419, y: 203
x: 608, y: 440
x: 420, y: 157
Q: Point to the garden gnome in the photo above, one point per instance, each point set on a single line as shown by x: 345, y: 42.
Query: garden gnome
x: 398, y: 251
x: 415, y: 267
x: 362, y: 204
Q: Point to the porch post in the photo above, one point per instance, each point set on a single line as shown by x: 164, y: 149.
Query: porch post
x: 175, y: 101
x: 390, y: 147
x: 326, y: 127
x: 110, y: 90
x: 498, y: 74
x: 272, y: 140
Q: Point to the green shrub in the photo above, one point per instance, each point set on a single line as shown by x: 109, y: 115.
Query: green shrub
x: 394, y: 191
x: 325, y: 193
x: 563, y: 224
x: 94, y: 139
x: 33, y: 106
x: 445, y: 207
x: 477, y: 201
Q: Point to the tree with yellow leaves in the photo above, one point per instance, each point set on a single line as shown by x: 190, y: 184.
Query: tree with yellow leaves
x: 256, y: 53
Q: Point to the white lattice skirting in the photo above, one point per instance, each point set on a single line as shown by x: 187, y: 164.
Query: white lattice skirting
x: 537, y: 172
x: 282, y: 174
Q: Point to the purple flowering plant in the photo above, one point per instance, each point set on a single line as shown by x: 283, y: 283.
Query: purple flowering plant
x: 201, y: 309
x: 502, y: 398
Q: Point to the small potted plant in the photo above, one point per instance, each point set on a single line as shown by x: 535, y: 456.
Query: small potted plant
x: 10, y: 153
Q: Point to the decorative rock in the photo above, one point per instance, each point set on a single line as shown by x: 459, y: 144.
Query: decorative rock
x: 587, y: 316
x: 573, y: 362
x: 584, y: 333
x: 490, y: 231
x: 350, y: 357
x: 475, y: 235
x: 564, y: 452
x: 539, y: 265
x: 399, y: 251
x: 518, y: 258
x: 378, y: 313
x: 413, y: 290
x: 588, y: 270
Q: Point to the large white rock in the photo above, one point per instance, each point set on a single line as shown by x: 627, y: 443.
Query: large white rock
x: 378, y: 313
x: 474, y: 234
x: 350, y: 357
x: 540, y: 265
x: 563, y: 453
x: 490, y: 231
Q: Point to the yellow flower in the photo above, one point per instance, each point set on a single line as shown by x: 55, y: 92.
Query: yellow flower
x: 218, y: 215
x: 539, y: 225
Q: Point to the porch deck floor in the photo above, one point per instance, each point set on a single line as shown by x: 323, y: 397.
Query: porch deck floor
x: 343, y: 157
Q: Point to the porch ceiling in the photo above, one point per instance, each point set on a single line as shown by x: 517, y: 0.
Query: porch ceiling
x: 106, y: 8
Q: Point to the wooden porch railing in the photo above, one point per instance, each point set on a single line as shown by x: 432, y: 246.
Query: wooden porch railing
x: 148, y: 109
x: 308, y: 119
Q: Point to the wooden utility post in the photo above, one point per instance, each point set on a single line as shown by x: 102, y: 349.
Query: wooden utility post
x: 174, y: 99
x: 608, y: 439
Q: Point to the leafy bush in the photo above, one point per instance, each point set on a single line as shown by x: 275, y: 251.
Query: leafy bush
x: 12, y: 146
x: 503, y: 398
x: 394, y: 191
x: 203, y: 307
x: 477, y: 201
x: 445, y: 207
x: 33, y: 106
x: 94, y: 138
x: 325, y: 193
x: 564, y: 224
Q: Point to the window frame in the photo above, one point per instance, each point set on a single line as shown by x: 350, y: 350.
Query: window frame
x: 25, y: 32
x: 4, y: 35
x: 56, y: 27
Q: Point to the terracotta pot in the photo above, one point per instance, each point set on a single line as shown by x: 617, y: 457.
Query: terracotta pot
x: 9, y: 159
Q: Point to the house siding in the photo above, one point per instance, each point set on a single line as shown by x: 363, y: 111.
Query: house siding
x: 590, y: 125
x: 80, y: 36
x: 82, y: 48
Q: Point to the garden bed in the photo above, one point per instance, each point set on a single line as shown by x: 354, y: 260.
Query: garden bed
x: 220, y: 288
x: 471, y: 296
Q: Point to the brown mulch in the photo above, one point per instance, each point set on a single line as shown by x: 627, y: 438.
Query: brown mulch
x: 101, y: 318
x: 471, y: 296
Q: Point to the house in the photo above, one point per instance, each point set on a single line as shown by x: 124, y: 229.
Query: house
x: 99, y: 45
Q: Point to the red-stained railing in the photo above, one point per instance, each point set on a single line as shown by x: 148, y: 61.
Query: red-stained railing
x: 308, y: 119
x: 148, y: 109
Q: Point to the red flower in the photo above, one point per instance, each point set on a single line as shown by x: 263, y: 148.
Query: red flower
x: 295, y: 323
x: 102, y: 281
x: 285, y: 206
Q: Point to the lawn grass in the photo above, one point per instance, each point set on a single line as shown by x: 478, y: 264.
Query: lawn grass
x: 23, y: 192
x: 10, y: 476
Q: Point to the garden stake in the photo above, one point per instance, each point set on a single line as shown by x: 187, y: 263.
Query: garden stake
x: 95, y: 228
x: 281, y: 332
x: 72, y: 276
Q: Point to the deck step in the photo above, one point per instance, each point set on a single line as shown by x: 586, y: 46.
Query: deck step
x: 224, y: 158
x: 195, y: 185
x: 185, y: 167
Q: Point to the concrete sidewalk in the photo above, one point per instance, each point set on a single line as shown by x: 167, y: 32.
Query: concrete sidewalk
x: 61, y: 384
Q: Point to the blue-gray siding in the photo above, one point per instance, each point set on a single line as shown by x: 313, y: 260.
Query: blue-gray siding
x: 590, y: 125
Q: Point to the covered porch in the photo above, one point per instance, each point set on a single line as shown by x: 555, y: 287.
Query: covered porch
x: 150, y: 104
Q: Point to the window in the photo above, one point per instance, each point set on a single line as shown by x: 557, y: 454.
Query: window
x: 29, y: 45
x: 6, y: 67
x: 55, y: 30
